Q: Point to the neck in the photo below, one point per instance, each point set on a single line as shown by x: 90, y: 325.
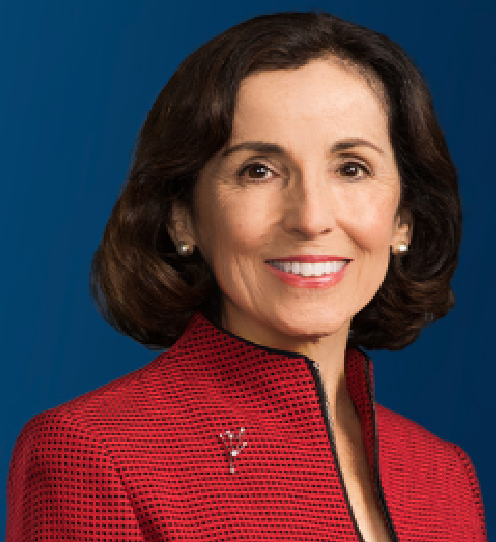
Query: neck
x: 328, y: 351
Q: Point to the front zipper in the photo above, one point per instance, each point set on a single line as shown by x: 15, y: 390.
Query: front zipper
x: 327, y: 417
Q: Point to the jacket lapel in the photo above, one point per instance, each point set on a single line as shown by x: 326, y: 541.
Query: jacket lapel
x: 358, y: 374
x: 360, y: 385
x: 269, y: 372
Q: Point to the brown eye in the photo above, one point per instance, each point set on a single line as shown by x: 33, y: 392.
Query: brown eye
x: 352, y: 169
x: 256, y: 172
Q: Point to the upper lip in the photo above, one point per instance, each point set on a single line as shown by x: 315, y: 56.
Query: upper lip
x: 308, y: 258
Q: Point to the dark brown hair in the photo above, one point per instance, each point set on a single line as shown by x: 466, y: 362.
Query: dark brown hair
x: 145, y: 290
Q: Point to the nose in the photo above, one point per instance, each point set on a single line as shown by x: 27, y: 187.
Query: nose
x: 309, y: 210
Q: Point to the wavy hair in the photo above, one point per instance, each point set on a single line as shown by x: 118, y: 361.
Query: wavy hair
x: 145, y: 290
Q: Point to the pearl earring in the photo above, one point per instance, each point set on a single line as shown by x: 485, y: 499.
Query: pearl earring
x: 184, y: 249
x: 402, y: 247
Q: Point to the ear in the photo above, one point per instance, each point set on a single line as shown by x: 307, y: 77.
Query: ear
x: 181, y: 225
x: 403, y: 228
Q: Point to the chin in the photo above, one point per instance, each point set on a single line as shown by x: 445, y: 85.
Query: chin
x: 301, y: 327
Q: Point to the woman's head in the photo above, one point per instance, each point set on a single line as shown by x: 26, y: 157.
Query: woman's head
x: 179, y: 178
x: 292, y: 185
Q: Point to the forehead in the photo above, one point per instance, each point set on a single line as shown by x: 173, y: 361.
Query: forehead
x: 323, y: 89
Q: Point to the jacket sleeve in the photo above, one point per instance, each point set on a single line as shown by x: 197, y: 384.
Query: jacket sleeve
x: 469, y: 486
x: 62, y: 485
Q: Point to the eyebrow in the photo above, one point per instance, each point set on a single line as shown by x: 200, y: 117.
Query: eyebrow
x: 273, y: 148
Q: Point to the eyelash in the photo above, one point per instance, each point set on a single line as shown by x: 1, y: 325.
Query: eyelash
x: 262, y: 180
x: 361, y: 166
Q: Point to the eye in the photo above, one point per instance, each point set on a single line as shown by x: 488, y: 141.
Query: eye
x: 351, y: 169
x: 257, y: 172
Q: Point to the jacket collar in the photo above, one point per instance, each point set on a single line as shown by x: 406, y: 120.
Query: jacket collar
x: 235, y: 366
x: 358, y: 374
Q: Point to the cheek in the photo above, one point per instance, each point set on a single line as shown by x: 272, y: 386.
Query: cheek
x: 370, y: 219
x: 372, y: 231
x: 230, y: 227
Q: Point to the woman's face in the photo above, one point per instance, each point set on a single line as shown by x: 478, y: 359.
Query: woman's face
x: 294, y: 183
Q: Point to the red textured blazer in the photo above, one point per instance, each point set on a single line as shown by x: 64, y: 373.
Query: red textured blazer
x: 143, y: 459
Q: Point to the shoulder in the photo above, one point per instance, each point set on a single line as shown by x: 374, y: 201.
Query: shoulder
x: 88, y: 441
x: 413, y: 461
x: 131, y: 401
x: 390, y: 424
x: 113, y: 406
x: 416, y: 444
x: 412, y: 442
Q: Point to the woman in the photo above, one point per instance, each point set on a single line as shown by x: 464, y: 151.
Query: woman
x: 292, y: 199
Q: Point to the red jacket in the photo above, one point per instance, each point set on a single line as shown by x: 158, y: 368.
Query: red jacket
x: 142, y: 458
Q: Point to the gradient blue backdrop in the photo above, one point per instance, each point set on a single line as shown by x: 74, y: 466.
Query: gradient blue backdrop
x: 78, y: 79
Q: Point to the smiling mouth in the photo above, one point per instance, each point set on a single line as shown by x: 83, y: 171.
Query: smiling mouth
x: 309, y: 269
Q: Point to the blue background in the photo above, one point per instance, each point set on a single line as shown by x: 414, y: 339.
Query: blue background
x: 78, y: 79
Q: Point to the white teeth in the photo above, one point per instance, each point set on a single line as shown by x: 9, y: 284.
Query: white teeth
x: 308, y: 269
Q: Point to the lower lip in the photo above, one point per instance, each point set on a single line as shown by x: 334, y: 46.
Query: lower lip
x: 324, y: 281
